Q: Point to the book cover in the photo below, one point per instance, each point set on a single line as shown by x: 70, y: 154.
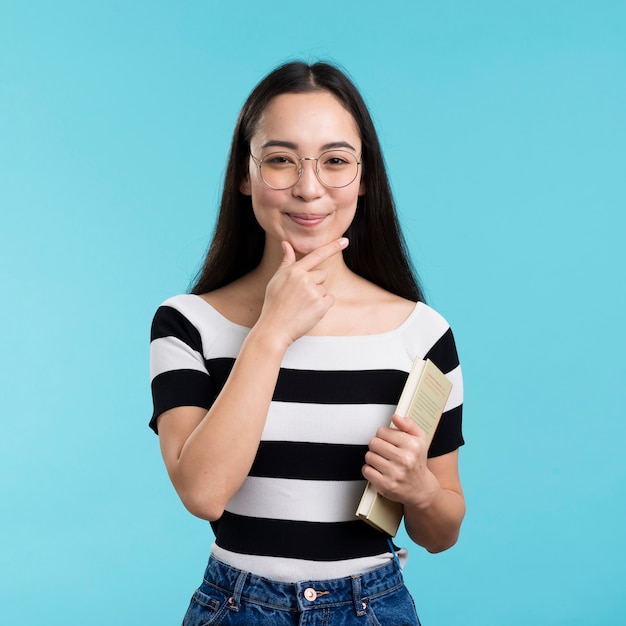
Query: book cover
x: 423, y: 399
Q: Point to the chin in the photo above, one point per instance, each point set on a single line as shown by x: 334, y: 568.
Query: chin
x: 304, y: 247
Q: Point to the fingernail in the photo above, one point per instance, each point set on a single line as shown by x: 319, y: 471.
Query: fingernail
x: 343, y: 242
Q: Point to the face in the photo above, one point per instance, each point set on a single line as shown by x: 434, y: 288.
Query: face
x: 309, y: 214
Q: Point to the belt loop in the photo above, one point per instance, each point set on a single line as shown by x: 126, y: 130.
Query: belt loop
x: 359, y: 604
x: 238, y: 590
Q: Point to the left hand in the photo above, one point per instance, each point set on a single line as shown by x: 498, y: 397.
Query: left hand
x: 396, y: 464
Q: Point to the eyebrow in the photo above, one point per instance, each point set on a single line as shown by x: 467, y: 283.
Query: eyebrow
x: 279, y: 143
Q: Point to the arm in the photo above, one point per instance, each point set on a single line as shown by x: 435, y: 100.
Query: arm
x: 209, y: 454
x: 429, y: 489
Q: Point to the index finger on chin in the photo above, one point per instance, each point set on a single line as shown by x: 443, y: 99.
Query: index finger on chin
x: 313, y: 259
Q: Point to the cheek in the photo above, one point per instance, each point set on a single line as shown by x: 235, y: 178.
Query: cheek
x: 348, y: 200
x: 261, y: 196
x: 264, y: 203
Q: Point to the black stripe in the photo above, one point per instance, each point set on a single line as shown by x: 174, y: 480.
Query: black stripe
x: 309, y: 461
x: 443, y: 354
x: 220, y: 371
x: 448, y: 436
x: 340, y: 387
x: 298, y: 540
x: 325, y: 387
x: 168, y: 322
x: 180, y: 388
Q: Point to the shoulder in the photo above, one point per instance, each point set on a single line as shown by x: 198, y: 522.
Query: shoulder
x: 428, y: 319
x: 190, y: 318
x: 175, y: 315
x: 186, y: 304
x: 427, y: 333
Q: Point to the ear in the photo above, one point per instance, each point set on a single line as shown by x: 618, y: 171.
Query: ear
x: 362, y: 187
x: 244, y: 186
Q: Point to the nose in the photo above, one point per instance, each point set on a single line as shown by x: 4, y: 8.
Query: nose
x: 308, y: 186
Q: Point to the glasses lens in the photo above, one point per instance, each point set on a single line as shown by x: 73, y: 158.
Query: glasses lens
x: 337, y: 168
x: 280, y: 170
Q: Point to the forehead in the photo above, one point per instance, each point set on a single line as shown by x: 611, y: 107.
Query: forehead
x: 306, y: 119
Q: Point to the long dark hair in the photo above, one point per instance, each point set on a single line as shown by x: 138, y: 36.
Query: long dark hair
x: 377, y: 249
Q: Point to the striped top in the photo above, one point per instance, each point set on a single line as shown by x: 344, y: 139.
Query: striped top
x: 293, y: 518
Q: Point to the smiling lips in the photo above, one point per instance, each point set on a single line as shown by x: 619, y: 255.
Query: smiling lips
x: 307, y: 219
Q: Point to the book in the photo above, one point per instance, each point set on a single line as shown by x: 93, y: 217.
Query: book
x: 423, y: 399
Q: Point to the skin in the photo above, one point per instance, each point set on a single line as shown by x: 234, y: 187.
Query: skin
x: 303, y: 287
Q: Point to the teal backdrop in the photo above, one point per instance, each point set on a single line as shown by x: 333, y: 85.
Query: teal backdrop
x: 504, y: 129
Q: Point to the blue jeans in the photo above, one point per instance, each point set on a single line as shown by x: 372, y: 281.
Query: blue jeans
x: 230, y: 596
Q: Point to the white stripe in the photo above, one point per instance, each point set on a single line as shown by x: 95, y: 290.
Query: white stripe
x: 170, y: 353
x: 299, y: 500
x: 371, y: 352
x: 325, y: 423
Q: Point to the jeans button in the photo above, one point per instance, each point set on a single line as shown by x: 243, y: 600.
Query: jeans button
x: 310, y: 594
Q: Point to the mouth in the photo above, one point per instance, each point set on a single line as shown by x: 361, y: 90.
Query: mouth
x: 307, y: 220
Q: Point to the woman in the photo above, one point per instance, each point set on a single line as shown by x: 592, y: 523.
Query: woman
x: 274, y: 382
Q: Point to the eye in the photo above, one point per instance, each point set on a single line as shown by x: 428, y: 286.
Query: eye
x: 337, y: 159
x: 279, y: 159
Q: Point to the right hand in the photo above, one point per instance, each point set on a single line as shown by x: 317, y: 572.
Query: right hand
x: 296, y: 298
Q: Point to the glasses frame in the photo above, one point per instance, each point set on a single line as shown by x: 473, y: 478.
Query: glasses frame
x: 259, y: 162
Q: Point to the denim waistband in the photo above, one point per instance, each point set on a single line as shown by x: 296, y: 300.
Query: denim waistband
x: 303, y: 595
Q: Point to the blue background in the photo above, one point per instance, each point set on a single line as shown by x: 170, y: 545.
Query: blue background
x: 503, y: 126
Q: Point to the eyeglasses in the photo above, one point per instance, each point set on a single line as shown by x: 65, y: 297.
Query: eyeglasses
x: 282, y: 170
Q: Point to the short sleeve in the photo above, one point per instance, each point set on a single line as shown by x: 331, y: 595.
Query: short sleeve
x: 178, y: 371
x: 449, y: 435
